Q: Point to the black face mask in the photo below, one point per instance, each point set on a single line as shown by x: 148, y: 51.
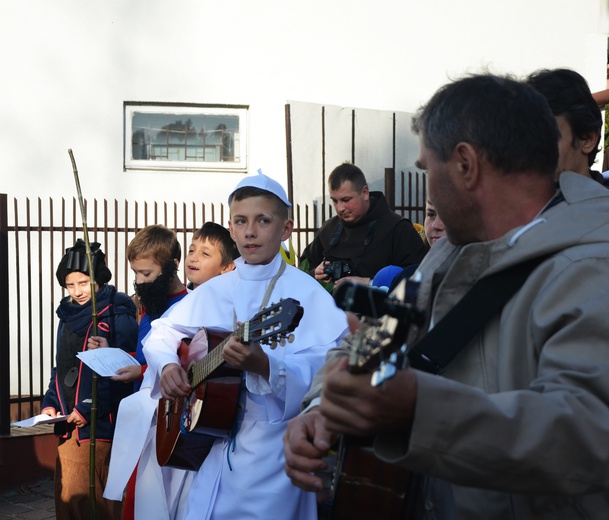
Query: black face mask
x: 153, y: 295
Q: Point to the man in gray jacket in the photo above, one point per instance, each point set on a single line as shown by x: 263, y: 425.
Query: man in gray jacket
x: 517, y: 426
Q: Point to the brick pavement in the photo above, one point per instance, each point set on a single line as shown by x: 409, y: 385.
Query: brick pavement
x: 28, y: 502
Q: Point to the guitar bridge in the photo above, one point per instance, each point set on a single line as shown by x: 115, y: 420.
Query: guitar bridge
x: 168, y: 414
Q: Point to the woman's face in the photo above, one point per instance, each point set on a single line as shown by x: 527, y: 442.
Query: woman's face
x: 434, y: 227
x: 79, y: 287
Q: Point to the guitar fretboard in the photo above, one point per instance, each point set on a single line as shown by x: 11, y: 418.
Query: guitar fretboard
x: 202, y: 369
x: 268, y: 325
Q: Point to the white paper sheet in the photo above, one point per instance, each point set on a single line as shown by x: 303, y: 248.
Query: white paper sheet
x: 43, y: 418
x: 106, y: 361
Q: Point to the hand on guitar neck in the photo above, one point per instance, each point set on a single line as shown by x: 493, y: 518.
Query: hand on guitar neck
x: 249, y: 358
x: 351, y: 405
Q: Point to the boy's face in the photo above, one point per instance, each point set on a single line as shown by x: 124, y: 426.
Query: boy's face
x: 257, y: 229
x: 204, y: 261
x: 78, y: 286
x: 152, y: 285
x: 145, y: 269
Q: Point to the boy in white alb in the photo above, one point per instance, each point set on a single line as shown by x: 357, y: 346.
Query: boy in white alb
x: 243, y: 476
x: 154, y: 256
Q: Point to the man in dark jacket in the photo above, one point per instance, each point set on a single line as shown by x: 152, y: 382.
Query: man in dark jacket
x: 364, y: 235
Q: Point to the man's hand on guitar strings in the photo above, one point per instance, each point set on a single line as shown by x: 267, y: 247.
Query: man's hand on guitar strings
x: 351, y: 405
x: 250, y: 357
x: 306, y: 442
x: 174, y: 382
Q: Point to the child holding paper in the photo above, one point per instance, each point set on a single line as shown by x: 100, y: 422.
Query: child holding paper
x: 70, y: 388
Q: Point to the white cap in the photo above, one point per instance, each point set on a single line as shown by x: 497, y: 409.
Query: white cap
x: 262, y: 182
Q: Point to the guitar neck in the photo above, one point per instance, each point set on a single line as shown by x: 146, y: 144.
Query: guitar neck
x: 267, y: 326
x: 213, y: 360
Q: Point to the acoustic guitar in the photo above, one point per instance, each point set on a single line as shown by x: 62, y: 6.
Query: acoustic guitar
x: 188, y: 426
x: 363, y: 486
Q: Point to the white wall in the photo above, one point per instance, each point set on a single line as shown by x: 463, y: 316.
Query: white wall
x: 68, y: 65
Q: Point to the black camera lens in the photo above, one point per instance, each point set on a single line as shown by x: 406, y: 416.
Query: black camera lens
x: 337, y: 269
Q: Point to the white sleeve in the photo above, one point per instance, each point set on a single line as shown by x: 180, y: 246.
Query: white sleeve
x: 161, y: 344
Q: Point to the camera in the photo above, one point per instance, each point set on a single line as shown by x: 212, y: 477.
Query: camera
x: 337, y: 269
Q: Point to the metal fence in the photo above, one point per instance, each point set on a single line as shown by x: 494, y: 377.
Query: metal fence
x: 33, y: 238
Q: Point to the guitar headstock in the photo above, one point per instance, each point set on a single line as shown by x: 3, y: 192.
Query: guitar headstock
x: 383, y: 331
x: 274, y: 324
x: 374, y: 342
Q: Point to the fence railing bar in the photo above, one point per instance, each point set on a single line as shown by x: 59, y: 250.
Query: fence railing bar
x: 115, y: 233
x: 29, y: 288
x: 74, y: 226
x: 5, y: 405
x: 40, y: 304
x: 52, y: 291
x: 125, y: 242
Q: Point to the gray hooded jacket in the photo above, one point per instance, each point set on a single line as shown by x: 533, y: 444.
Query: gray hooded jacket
x: 517, y: 427
x: 519, y: 422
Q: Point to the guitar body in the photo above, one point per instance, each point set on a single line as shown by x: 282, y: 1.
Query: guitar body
x: 366, y: 487
x: 188, y: 427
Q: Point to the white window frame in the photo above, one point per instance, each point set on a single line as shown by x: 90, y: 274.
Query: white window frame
x: 181, y: 110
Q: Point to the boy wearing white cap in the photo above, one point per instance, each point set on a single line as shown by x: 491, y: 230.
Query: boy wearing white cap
x: 243, y: 476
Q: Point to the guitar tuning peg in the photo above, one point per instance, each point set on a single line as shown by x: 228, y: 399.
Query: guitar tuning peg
x: 291, y: 338
x: 282, y: 342
x: 273, y: 345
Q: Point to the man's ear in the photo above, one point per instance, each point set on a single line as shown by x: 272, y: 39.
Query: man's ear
x: 467, y: 161
x: 589, y: 141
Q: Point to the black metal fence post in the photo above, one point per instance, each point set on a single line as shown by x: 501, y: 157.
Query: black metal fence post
x: 5, y: 384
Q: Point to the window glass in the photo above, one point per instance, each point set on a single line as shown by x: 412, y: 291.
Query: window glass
x: 185, y: 137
